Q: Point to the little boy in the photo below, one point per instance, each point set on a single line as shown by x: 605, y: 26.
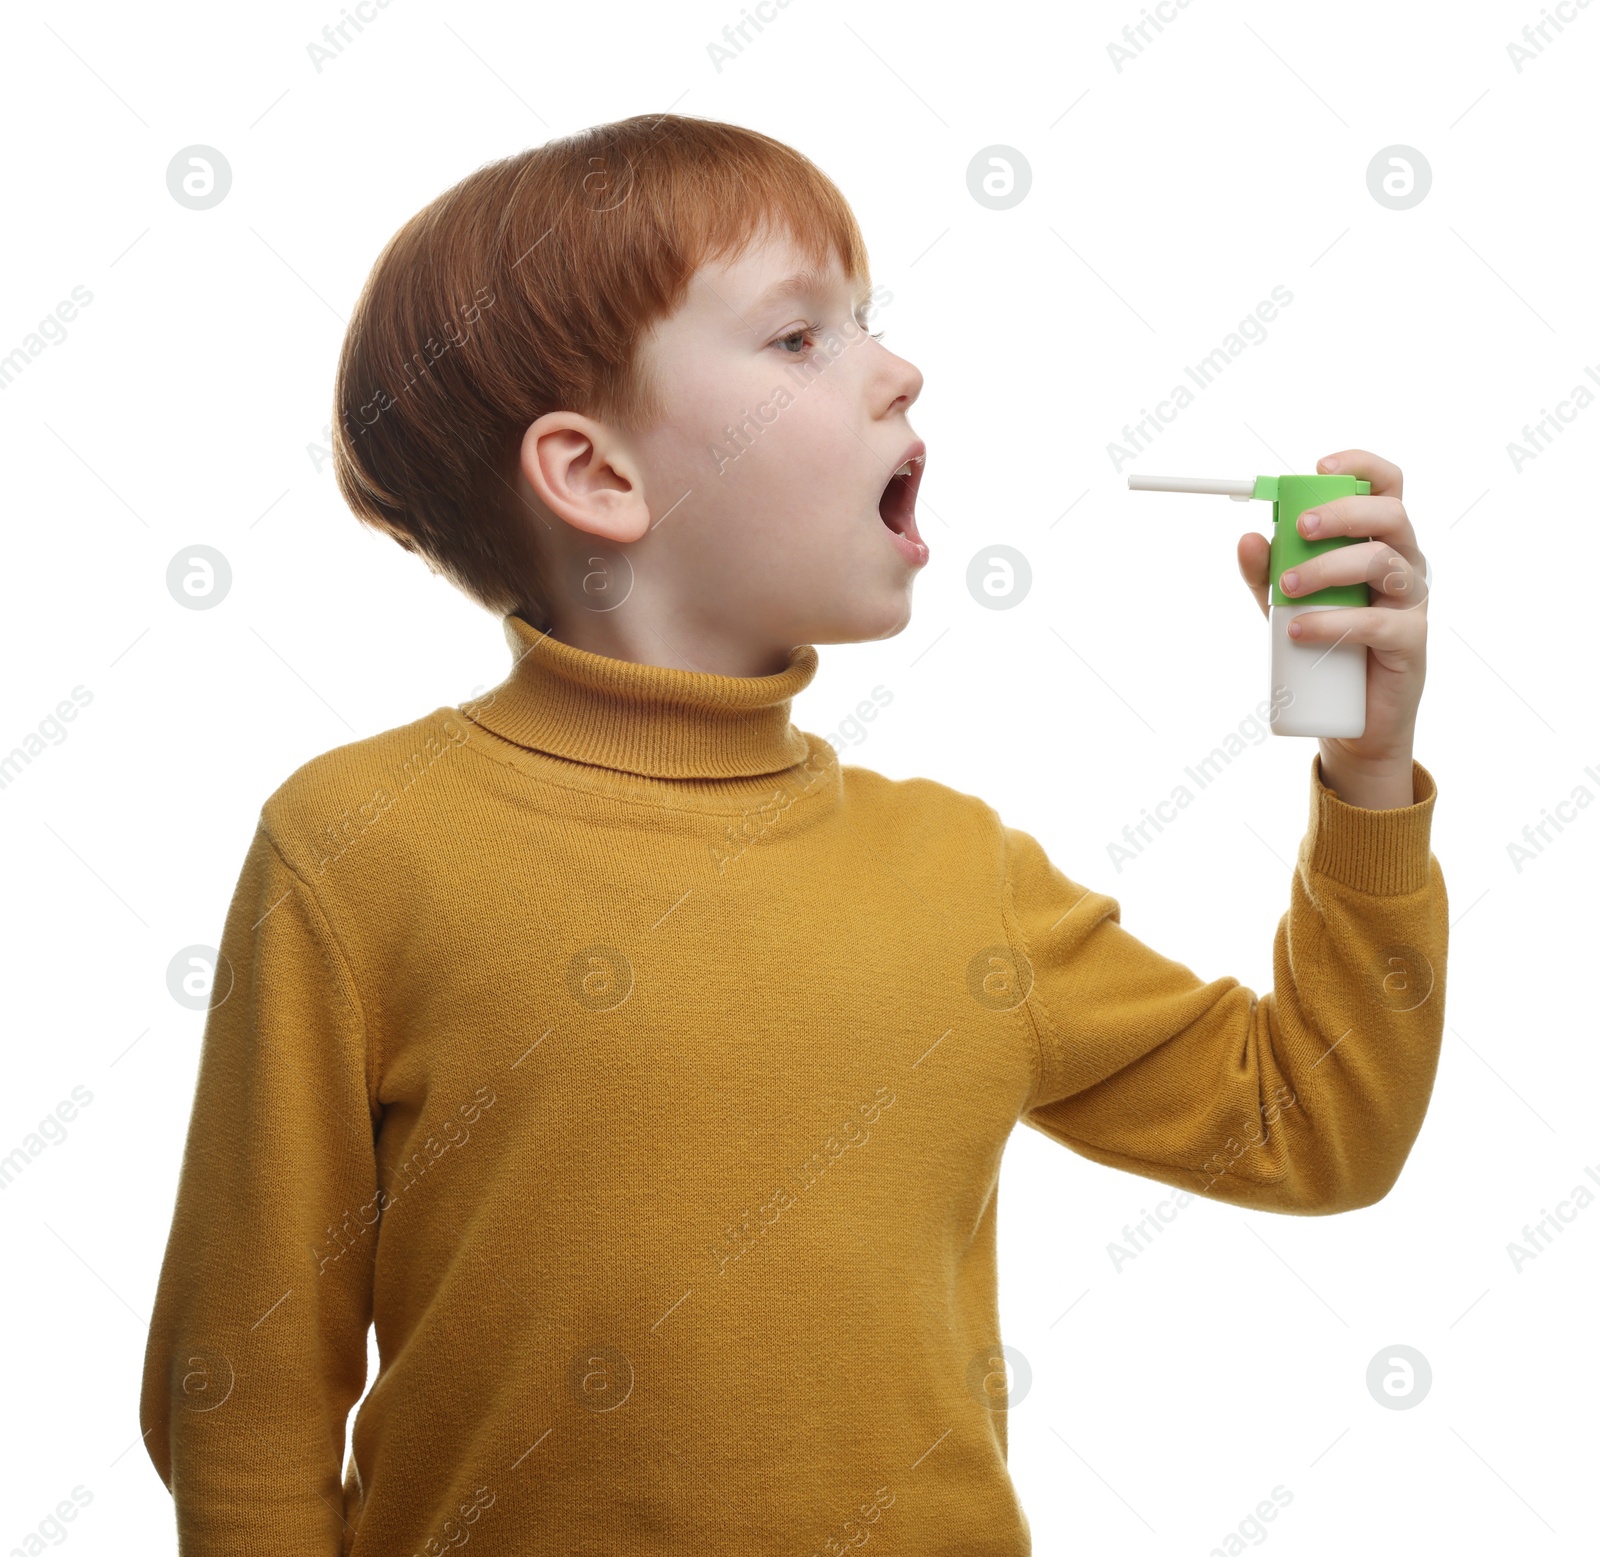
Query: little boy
x: 640, y: 1071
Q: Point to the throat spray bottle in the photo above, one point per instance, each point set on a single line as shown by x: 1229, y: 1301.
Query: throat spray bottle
x: 1317, y: 688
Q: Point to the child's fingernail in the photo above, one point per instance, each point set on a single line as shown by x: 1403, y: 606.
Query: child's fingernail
x: 1331, y: 463
x: 1310, y: 522
x: 1290, y: 581
x: 1294, y: 629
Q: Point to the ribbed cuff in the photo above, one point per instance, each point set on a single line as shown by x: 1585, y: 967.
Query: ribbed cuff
x: 1372, y: 851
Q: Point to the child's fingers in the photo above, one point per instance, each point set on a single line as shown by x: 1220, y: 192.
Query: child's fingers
x: 1392, y: 576
x: 1386, y: 479
x: 1255, y: 553
x: 1382, y: 518
x: 1397, y: 632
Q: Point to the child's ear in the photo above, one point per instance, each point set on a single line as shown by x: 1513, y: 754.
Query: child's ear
x: 584, y: 472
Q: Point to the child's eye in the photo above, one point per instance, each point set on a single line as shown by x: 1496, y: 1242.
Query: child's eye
x: 812, y: 329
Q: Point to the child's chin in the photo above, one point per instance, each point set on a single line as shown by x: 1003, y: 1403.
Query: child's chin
x: 868, y: 620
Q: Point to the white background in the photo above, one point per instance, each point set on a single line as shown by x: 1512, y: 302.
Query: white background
x: 187, y: 404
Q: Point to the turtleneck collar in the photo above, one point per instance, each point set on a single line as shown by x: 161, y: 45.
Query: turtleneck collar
x: 651, y: 720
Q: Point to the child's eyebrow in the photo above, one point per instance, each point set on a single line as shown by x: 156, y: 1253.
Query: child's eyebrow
x: 804, y: 283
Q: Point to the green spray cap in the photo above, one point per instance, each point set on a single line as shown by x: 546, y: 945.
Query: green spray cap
x: 1290, y: 496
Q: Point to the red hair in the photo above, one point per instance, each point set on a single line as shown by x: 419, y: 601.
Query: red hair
x: 526, y: 288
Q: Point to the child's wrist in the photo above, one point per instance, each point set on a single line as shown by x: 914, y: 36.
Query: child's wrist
x: 1378, y: 785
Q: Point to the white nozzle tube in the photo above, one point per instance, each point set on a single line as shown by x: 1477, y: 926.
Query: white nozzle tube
x: 1207, y: 484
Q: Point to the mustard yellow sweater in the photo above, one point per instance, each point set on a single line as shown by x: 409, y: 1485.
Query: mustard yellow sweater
x: 642, y: 1074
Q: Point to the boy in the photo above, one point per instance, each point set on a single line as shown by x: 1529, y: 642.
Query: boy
x: 638, y: 1070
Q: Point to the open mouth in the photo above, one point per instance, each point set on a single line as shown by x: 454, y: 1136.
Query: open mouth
x: 897, y: 505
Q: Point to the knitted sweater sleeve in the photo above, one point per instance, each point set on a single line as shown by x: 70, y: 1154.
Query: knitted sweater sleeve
x: 257, y: 1343
x: 1306, y: 1099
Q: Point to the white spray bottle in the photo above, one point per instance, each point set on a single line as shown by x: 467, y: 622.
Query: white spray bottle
x: 1317, y: 688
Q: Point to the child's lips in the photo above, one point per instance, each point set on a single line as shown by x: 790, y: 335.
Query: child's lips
x: 898, y: 501
x: 910, y: 544
x: 897, y: 506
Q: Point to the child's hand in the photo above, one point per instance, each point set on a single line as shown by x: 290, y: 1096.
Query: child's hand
x: 1373, y: 769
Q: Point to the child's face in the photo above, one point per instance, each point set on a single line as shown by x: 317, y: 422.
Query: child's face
x: 784, y: 424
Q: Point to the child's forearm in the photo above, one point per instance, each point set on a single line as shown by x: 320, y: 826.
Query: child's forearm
x: 1380, y: 788
x: 1305, y: 1099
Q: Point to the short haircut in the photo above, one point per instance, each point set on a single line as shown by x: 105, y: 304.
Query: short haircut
x: 527, y: 288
